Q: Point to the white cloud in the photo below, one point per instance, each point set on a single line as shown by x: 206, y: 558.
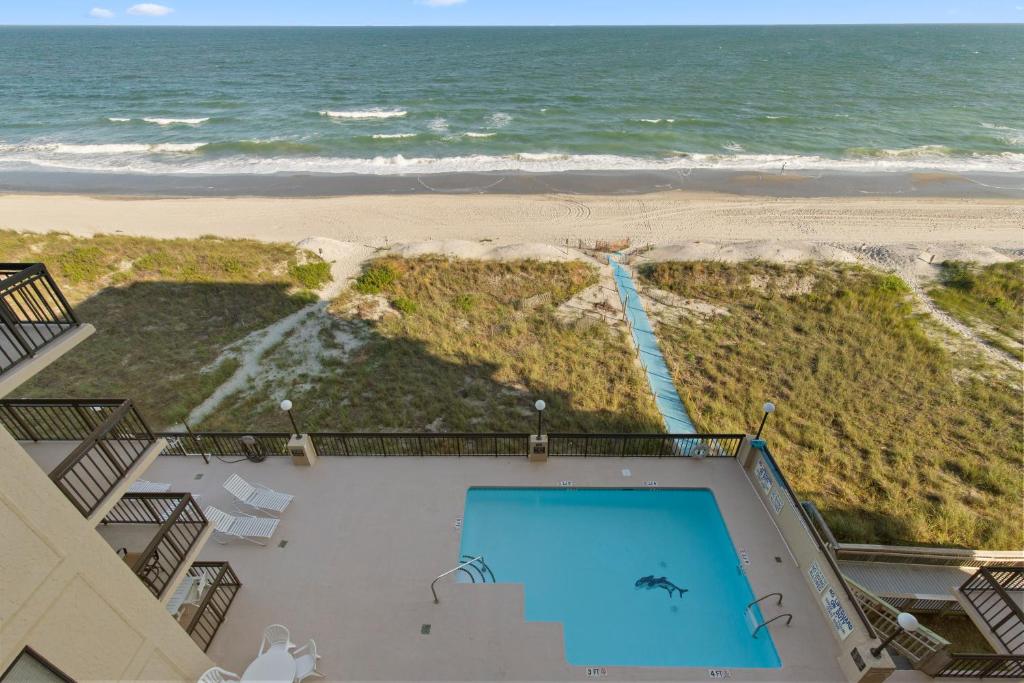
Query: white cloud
x: 440, y: 3
x: 101, y: 13
x: 149, y: 9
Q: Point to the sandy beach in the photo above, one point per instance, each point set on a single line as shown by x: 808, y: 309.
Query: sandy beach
x: 656, y: 218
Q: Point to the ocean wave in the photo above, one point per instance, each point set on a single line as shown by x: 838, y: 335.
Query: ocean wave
x: 656, y: 121
x: 117, y: 119
x: 365, y: 114
x: 265, y: 148
x: 176, y: 122
x: 156, y: 159
x: 473, y: 134
x: 499, y: 119
x: 439, y: 125
x: 919, y: 152
x: 1014, y: 136
x: 733, y: 147
x: 393, y: 136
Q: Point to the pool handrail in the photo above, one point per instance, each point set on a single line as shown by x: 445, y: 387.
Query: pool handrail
x: 760, y: 626
x: 451, y: 571
x: 764, y: 597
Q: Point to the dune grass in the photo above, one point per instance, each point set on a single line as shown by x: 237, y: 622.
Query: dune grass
x: 893, y: 438
x: 163, y: 309
x: 989, y: 298
x: 458, y: 345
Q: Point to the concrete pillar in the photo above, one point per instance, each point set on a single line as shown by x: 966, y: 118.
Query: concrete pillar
x: 300, y: 447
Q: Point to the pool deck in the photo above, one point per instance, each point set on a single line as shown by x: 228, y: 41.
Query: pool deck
x: 365, y: 537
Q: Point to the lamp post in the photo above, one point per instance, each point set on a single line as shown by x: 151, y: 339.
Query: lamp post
x: 286, y: 406
x: 907, y: 622
x: 768, y: 409
x: 540, y: 406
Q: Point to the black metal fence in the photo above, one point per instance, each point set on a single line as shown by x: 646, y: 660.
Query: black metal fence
x: 645, y: 445
x: 181, y: 523
x: 983, y: 666
x: 103, y: 457
x: 33, y: 312
x: 419, y: 444
x: 987, y: 592
x: 222, y: 585
x: 56, y: 419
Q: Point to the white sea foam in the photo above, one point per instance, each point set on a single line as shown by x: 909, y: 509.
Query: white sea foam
x: 365, y: 114
x: 393, y: 136
x: 171, y: 159
x: 117, y: 119
x: 1014, y: 136
x: 499, y: 119
x: 439, y: 125
x: 733, y: 147
x: 472, y: 134
x: 176, y: 122
x: 657, y: 120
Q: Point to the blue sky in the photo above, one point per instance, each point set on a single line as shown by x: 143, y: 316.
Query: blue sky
x: 505, y: 12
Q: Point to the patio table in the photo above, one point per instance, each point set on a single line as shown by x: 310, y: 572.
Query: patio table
x: 273, y: 666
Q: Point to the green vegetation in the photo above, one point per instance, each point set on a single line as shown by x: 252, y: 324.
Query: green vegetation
x: 376, y: 279
x: 428, y: 355
x: 312, y: 275
x: 893, y: 437
x: 163, y: 310
x: 989, y: 298
x: 959, y: 630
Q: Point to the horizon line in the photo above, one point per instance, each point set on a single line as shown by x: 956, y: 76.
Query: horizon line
x: 737, y: 25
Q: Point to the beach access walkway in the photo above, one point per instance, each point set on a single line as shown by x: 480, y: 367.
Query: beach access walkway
x: 673, y: 410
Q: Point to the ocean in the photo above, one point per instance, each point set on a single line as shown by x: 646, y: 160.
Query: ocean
x: 455, y: 100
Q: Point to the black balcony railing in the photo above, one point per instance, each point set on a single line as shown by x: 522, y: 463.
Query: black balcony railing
x: 987, y: 590
x: 112, y: 437
x: 421, y: 444
x: 180, y: 523
x: 33, y: 312
x: 222, y: 585
x: 983, y: 666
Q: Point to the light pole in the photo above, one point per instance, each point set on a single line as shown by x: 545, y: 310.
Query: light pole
x: 768, y: 409
x: 540, y: 406
x: 907, y: 622
x: 286, y: 406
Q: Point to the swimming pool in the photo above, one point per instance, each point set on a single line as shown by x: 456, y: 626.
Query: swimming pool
x: 609, y: 564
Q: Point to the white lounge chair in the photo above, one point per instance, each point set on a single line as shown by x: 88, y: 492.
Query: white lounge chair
x: 257, y: 496
x: 305, y: 664
x: 218, y: 675
x: 242, y: 526
x: 143, y: 486
x: 276, y: 637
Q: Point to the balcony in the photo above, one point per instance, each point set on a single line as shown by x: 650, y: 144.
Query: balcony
x: 92, y: 449
x: 214, y: 585
x: 35, y: 320
x: 158, y: 535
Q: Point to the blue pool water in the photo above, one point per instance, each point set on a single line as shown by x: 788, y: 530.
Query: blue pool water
x: 580, y: 552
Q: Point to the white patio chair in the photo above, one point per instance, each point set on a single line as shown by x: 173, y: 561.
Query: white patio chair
x: 276, y: 637
x: 244, y: 527
x: 143, y: 486
x: 305, y: 664
x: 218, y: 675
x: 257, y: 496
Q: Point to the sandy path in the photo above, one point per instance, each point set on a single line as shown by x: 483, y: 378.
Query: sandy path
x: 554, y: 219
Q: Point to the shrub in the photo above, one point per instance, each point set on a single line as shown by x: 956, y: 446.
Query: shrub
x: 958, y: 275
x: 375, y: 279
x: 312, y: 275
x: 465, y: 302
x: 81, y: 264
x: 405, y: 305
x: 893, y: 284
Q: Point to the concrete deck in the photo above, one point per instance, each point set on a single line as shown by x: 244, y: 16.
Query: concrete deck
x: 365, y: 537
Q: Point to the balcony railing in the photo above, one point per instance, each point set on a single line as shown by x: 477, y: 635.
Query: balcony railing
x: 112, y: 435
x: 983, y: 666
x: 222, y: 585
x: 33, y: 312
x: 987, y: 590
x: 180, y: 523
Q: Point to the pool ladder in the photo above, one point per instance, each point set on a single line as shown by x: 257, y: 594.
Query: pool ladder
x: 483, y: 571
x: 789, y: 617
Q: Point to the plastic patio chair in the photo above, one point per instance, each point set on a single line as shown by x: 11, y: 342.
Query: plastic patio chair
x: 218, y: 675
x: 276, y: 637
x: 305, y: 664
x: 245, y: 527
x: 257, y: 496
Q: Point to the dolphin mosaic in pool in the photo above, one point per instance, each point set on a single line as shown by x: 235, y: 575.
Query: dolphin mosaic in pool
x: 650, y: 583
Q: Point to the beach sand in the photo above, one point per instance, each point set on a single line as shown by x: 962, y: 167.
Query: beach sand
x: 500, y: 219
